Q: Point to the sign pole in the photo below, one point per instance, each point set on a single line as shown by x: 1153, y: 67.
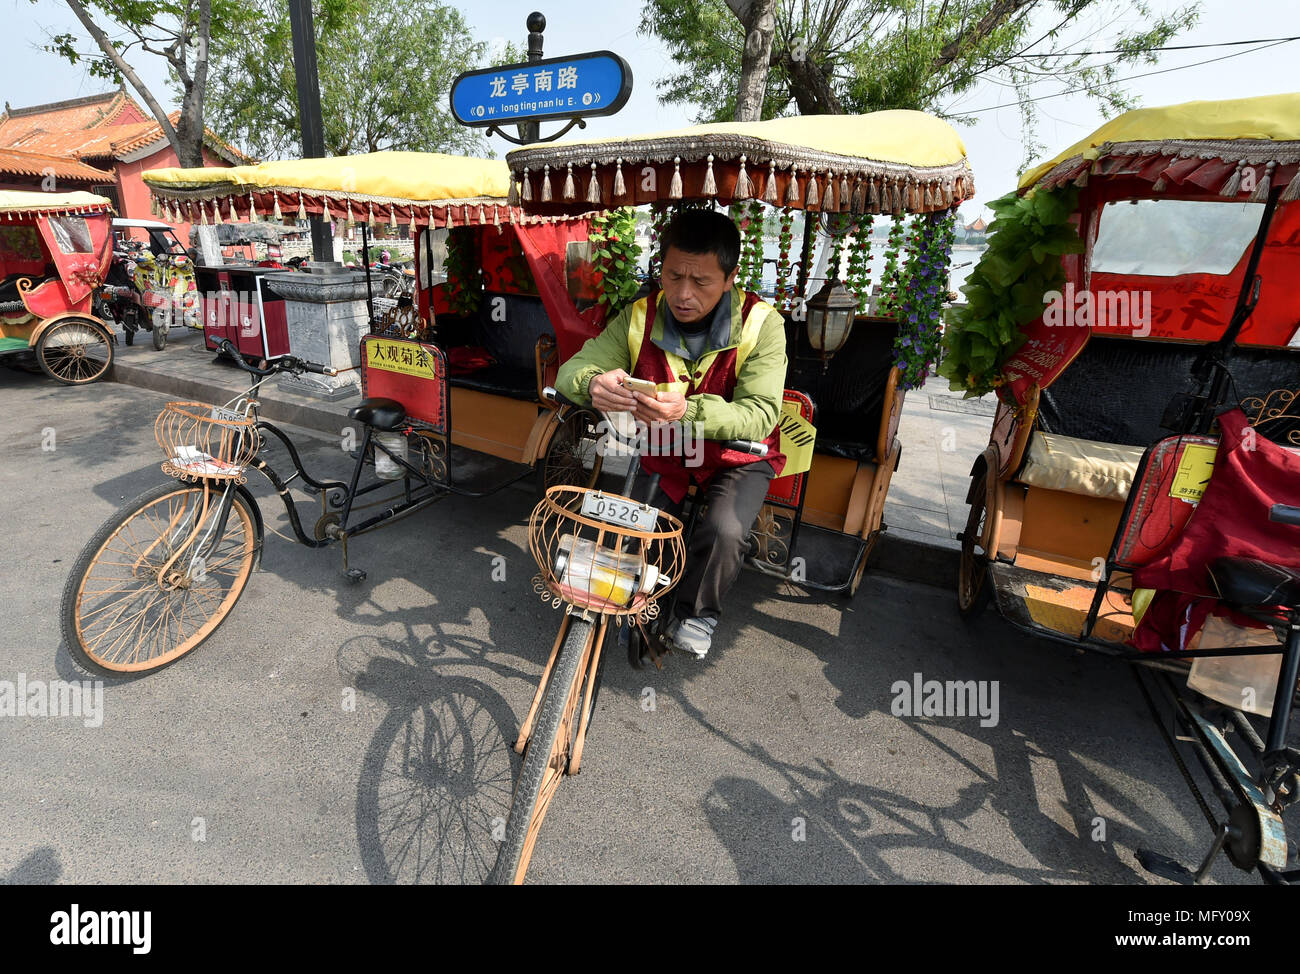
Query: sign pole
x: 531, y: 131
x: 309, y: 113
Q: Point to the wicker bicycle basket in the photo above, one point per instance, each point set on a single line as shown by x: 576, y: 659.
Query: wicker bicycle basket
x: 204, y: 442
x: 593, y: 564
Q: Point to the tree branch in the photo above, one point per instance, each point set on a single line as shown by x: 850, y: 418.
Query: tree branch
x: 997, y: 15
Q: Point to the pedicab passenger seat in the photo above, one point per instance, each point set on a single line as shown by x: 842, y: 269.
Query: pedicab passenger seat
x: 850, y: 389
x: 1077, y: 466
x: 507, y: 326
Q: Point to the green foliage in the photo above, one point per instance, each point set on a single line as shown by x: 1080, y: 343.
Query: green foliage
x: 921, y: 292
x: 385, y: 72
x: 464, y: 270
x: 851, y: 56
x: 859, y: 276
x: 1006, y: 289
x: 615, y: 254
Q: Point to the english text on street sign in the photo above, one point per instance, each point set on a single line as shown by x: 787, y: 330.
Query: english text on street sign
x: 597, y: 83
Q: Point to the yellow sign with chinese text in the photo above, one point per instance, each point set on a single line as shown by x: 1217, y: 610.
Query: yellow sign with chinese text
x: 797, y: 439
x: 1195, y: 467
x: 407, y: 358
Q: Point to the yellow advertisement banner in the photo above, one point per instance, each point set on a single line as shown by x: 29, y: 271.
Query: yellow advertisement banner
x: 797, y: 439
x: 407, y: 358
x: 1195, y: 467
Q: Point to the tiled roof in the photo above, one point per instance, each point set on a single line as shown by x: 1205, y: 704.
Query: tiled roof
x: 87, y: 128
x: 19, y: 163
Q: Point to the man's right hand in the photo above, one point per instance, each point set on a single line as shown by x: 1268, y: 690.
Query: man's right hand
x: 607, y: 392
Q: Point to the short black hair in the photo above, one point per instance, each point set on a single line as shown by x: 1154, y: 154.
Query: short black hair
x: 704, y: 232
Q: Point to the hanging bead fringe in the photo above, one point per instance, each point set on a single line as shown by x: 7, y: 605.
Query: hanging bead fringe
x: 620, y: 188
x: 675, y: 187
x: 710, y: 187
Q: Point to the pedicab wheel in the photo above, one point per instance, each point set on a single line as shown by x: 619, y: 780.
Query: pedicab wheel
x: 75, y: 351
x: 572, y: 449
x: 159, y: 337
x: 138, y: 598
x: 546, y: 759
x: 973, y: 589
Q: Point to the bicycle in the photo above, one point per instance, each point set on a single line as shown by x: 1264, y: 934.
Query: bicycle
x: 161, y: 574
x: 604, y: 557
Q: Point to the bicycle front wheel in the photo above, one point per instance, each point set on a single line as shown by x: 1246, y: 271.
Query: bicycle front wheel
x: 547, y: 758
x: 158, y: 578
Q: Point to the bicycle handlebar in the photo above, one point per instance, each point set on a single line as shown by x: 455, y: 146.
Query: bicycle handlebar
x: 286, y: 363
x: 1284, y: 514
x: 753, y: 447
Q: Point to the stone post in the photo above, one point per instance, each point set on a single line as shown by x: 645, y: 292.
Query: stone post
x: 326, y: 310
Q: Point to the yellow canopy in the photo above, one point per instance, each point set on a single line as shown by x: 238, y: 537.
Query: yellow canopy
x: 399, y: 177
x: 16, y: 201
x: 881, y: 162
x: 1268, y: 118
x: 906, y: 137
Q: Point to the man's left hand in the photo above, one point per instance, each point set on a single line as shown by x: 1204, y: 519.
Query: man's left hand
x: 662, y: 407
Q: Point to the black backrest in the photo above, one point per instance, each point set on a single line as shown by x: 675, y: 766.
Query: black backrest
x: 850, y: 391
x: 1117, y: 389
x: 512, y: 341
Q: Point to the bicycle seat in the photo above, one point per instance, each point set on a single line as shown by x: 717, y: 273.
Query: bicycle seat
x: 1249, y: 582
x: 382, y: 414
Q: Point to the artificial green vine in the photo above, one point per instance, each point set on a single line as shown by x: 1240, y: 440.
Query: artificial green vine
x: 922, y: 290
x: 891, y: 277
x: 657, y: 225
x: 783, y: 266
x: 1006, y: 290
x: 859, y: 278
x: 615, y: 254
x: 755, y: 231
x: 464, y: 271
x: 807, y: 257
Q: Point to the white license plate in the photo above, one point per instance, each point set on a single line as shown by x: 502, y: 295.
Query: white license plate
x: 224, y: 415
x: 616, y: 510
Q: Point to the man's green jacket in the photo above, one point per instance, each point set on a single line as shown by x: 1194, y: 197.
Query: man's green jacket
x: 755, y: 406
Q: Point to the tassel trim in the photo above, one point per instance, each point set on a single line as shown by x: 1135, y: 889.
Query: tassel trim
x: 570, y: 191
x: 828, y: 200
x: 710, y: 187
x: 546, y: 185
x: 769, y: 191
x: 675, y: 187
x: 528, y: 188
x: 1233, y: 184
x: 1292, y: 191
x: 812, y: 198
x: 1264, y: 185
x: 620, y: 187
x: 792, y: 191
x: 744, y: 188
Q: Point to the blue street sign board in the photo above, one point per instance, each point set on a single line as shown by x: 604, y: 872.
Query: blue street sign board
x: 569, y: 87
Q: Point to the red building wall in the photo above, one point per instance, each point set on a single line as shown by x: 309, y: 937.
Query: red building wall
x: 134, y: 194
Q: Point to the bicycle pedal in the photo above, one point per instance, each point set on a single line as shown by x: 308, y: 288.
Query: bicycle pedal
x: 355, y: 575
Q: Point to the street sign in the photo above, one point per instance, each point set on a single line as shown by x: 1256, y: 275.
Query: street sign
x: 597, y: 83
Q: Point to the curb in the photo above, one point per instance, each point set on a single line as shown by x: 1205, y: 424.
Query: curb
x: 915, y: 561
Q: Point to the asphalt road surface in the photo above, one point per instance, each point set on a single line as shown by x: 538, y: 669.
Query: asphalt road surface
x: 776, y: 760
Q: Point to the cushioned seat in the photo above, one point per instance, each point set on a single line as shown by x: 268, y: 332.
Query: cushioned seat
x: 500, y: 380
x: 1078, y: 466
x: 1250, y: 582
x: 382, y: 414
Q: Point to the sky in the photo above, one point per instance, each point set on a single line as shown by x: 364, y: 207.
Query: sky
x: 994, y: 143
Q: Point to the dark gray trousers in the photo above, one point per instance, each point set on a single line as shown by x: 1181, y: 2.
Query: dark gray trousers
x: 715, y: 553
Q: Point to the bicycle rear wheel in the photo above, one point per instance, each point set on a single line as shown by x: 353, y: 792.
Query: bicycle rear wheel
x: 547, y: 758
x: 157, y: 579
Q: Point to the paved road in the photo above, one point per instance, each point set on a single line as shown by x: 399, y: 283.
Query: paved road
x: 778, y: 759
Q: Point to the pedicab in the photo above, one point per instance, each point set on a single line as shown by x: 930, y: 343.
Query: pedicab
x: 610, y: 558
x: 493, y: 292
x: 55, y: 251
x: 151, y: 279
x: 163, y: 573
x: 1136, y: 316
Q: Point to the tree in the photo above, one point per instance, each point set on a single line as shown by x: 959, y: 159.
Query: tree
x: 758, y: 18
x: 179, y: 31
x: 385, y: 72
x: 832, y: 57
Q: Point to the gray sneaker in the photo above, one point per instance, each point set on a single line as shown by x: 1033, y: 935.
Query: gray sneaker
x: 693, y: 636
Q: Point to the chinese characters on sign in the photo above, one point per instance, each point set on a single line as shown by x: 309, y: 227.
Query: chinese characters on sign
x: 585, y: 84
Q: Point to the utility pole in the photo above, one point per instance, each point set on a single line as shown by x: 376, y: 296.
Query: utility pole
x: 309, y: 113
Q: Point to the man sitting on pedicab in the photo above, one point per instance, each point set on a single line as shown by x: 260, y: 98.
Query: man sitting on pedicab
x: 717, y: 355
